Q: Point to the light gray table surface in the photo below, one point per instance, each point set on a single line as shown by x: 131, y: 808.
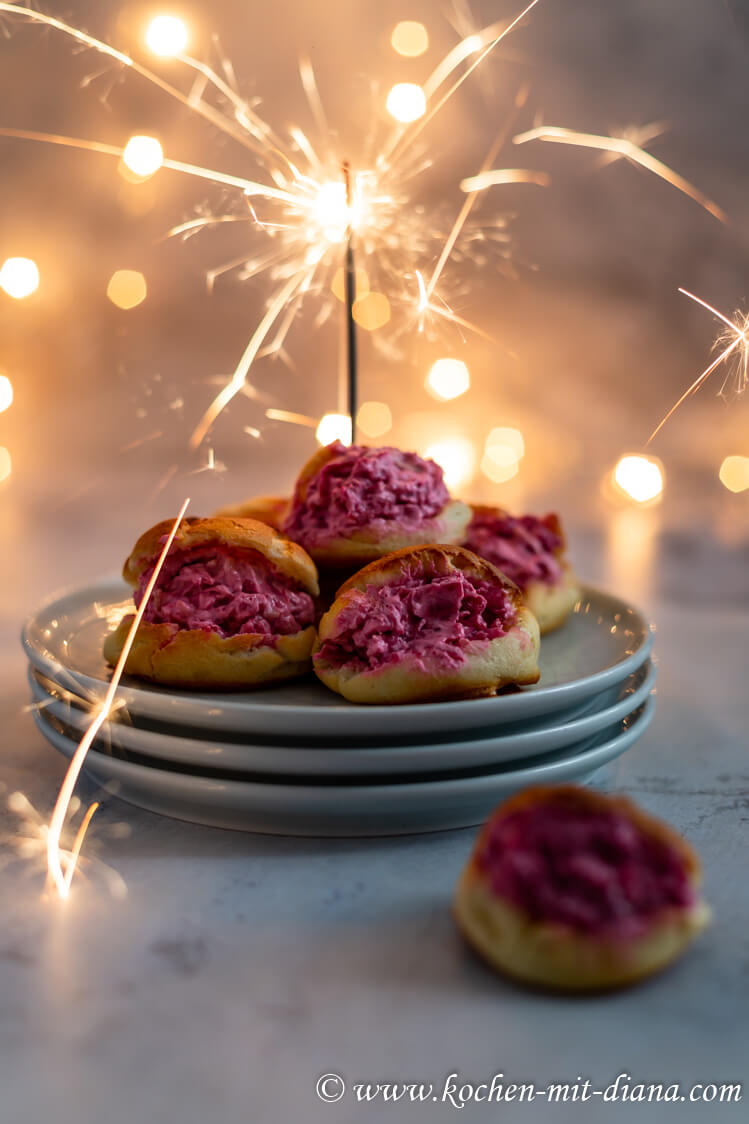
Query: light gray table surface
x: 239, y: 968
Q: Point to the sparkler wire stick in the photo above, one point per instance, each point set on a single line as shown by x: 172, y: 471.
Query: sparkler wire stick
x: 62, y: 879
x: 350, y: 296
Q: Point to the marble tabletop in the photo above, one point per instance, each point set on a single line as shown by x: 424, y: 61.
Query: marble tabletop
x: 238, y: 969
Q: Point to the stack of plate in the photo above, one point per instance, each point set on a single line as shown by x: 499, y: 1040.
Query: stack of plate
x: 296, y: 759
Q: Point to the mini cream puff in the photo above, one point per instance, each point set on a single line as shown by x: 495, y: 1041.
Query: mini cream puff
x: 266, y: 509
x: 426, y: 623
x: 354, y: 505
x: 233, y: 606
x: 530, y: 550
x: 573, y: 890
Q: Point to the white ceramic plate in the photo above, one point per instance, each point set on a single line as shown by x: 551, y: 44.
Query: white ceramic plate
x: 603, y: 642
x: 177, y: 745
x: 366, y: 809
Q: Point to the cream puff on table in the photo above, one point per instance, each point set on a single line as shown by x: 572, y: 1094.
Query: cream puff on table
x: 573, y: 890
x: 426, y: 623
x: 233, y: 607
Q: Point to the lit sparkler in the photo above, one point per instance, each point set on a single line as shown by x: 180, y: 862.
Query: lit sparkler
x: 734, y: 344
x: 311, y: 217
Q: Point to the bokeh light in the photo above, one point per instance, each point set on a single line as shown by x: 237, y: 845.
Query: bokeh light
x: 334, y: 427
x: 127, y: 288
x: 374, y: 419
x: 406, y: 102
x: 448, y: 378
x: 734, y: 473
x: 638, y: 477
x: 166, y: 36
x: 503, y: 451
x: 143, y: 156
x: 457, y: 458
x: 372, y: 311
x: 338, y: 284
x: 6, y: 464
x: 500, y: 463
x: 506, y: 437
x: 19, y: 277
x: 409, y: 39
x: 6, y: 393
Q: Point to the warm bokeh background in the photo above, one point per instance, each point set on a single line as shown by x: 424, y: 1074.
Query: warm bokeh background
x: 593, y: 341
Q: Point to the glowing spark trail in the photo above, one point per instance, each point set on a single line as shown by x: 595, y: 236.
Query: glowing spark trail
x: 249, y: 187
x: 736, y: 336
x: 622, y: 146
x: 62, y: 879
x: 465, y: 210
x: 391, y: 151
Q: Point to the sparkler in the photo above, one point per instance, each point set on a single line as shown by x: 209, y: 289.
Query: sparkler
x: 63, y: 878
x: 313, y: 215
x: 734, y: 344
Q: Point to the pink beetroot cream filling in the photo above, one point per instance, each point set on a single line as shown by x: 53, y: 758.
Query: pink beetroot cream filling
x: 523, y: 548
x: 591, y: 870
x: 229, y: 592
x: 363, y: 487
x: 424, y: 617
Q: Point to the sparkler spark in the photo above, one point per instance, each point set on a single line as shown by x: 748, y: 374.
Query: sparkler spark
x: 62, y: 878
x: 734, y: 342
x: 627, y: 148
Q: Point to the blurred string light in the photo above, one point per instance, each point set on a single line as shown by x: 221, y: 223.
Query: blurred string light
x: 638, y: 477
x: 372, y: 311
x: 143, y: 156
x: 19, y: 277
x: 734, y: 473
x: 167, y: 36
x: 334, y: 427
x: 374, y: 419
x: 127, y: 288
x: 6, y: 393
x: 5, y: 463
x: 448, y: 378
x: 410, y: 39
x: 406, y: 102
x: 457, y: 458
x: 338, y: 284
x: 503, y: 452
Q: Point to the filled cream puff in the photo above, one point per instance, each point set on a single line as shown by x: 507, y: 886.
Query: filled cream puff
x: 531, y: 551
x: 354, y: 504
x: 426, y: 623
x: 266, y: 509
x: 233, y: 606
x: 571, y: 889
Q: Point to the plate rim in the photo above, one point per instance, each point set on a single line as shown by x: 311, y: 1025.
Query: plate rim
x: 596, y: 757
x: 531, y: 743
x: 195, y: 707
